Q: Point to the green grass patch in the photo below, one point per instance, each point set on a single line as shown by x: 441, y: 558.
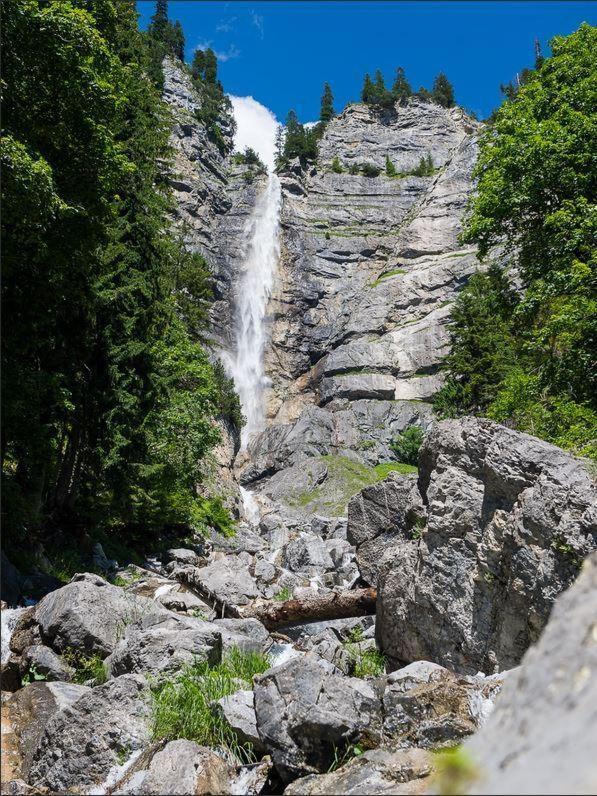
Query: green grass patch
x: 388, y: 275
x: 367, y: 662
x: 382, y: 470
x: 284, y: 594
x: 87, y: 667
x: 182, y: 706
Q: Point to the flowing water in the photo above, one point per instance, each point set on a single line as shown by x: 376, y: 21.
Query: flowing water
x: 256, y: 127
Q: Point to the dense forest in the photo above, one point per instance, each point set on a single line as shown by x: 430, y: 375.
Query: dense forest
x: 110, y: 395
x: 109, y: 400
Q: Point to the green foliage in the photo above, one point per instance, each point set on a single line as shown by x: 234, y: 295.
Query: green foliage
x: 327, y: 104
x: 425, y: 167
x: 87, y: 667
x: 383, y: 469
x: 248, y: 158
x: 390, y: 168
x: 299, y: 142
x: 215, y: 106
x: 406, y: 445
x: 168, y: 34
x: 365, y: 661
x: 284, y: 594
x: 370, y: 170
x: 109, y: 399
x: 337, y: 166
x: 455, y: 771
x: 442, y: 92
x: 32, y: 675
x: 530, y: 361
x: 401, y: 89
x: 182, y: 705
x: 342, y: 756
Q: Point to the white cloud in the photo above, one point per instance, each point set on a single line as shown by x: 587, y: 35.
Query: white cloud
x: 258, y: 22
x: 226, y: 25
x: 231, y: 52
x: 256, y: 126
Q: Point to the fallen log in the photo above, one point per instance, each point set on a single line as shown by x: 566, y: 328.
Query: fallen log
x: 316, y: 608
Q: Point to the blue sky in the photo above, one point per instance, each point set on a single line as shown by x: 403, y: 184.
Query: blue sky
x: 281, y: 52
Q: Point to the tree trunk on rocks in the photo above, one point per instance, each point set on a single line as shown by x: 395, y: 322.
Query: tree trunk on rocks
x: 335, y: 605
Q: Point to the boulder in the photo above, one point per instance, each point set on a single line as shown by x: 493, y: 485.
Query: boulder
x: 542, y: 734
x: 249, y: 635
x: 377, y: 772
x: 90, y: 615
x: 29, y: 711
x: 307, y: 717
x: 509, y: 520
x: 238, y: 711
x: 82, y: 742
x: 381, y: 515
x: 45, y: 662
x: 228, y: 579
x: 11, y: 580
x: 186, y: 769
x: 159, y: 645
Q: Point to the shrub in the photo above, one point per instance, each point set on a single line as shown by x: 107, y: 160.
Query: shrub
x: 284, y: 594
x: 370, y: 170
x: 337, y: 166
x: 182, y: 706
x: 87, y: 667
x: 406, y: 445
x: 354, y: 169
x: 425, y: 167
x: 390, y: 168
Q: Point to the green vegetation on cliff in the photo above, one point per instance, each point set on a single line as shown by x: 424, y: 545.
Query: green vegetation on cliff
x: 527, y: 358
x: 109, y: 398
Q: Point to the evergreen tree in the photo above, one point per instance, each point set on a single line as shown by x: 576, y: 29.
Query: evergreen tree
x: 327, y: 104
x: 337, y: 166
x: 167, y: 34
x: 424, y: 94
x: 390, y: 168
x: 401, y: 89
x: 442, y: 92
x: 368, y: 91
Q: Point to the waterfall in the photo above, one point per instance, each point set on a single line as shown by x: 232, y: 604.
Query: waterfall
x: 256, y: 127
x: 252, y: 295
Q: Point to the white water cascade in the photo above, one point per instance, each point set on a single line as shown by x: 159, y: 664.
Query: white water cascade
x: 257, y: 128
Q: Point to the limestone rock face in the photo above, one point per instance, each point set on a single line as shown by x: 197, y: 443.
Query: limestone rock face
x: 541, y: 737
x: 185, y: 768
x: 509, y: 519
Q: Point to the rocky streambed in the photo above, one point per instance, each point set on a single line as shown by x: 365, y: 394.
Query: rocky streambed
x: 468, y: 558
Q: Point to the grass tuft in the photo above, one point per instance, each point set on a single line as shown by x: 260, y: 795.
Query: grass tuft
x: 182, y: 707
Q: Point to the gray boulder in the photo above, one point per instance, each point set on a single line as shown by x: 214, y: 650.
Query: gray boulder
x: 228, y: 579
x: 238, y: 712
x: 249, y: 635
x: 82, y: 742
x: 509, y: 520
x: 46, y: 662
x: 186, y: 769
x: 542, y: 735
x: 306, y: 717
x: 29, y: 711
x: 158, y: 645
x: 376, y: 773
x: 383, y: 514
x: 90, y: 615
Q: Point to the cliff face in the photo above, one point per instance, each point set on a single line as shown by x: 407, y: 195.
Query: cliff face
x: 369, y: 269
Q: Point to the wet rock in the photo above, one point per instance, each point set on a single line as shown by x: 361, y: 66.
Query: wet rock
x: 82, y: 742
x: 542, y: 734
x: 304, y: 715
x: 238, y: 711
x: 90, y: 615
x: 509, y: 519
x: 11, y: 580
x: 45, y: 662
x: 158, y: 645
x: 375, y: 773
x: 31, y: 708
x: 23, y: 630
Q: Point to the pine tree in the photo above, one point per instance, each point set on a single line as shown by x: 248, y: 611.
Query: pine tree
x: 379, y: 88
x: 368, y: 91
x: 539, y: 58
x: 211, y: 67
x: 390, y: 168
x: 401, y: 89
x: 159, y: 21
x: 442, y: 92
x: 327, y: 104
